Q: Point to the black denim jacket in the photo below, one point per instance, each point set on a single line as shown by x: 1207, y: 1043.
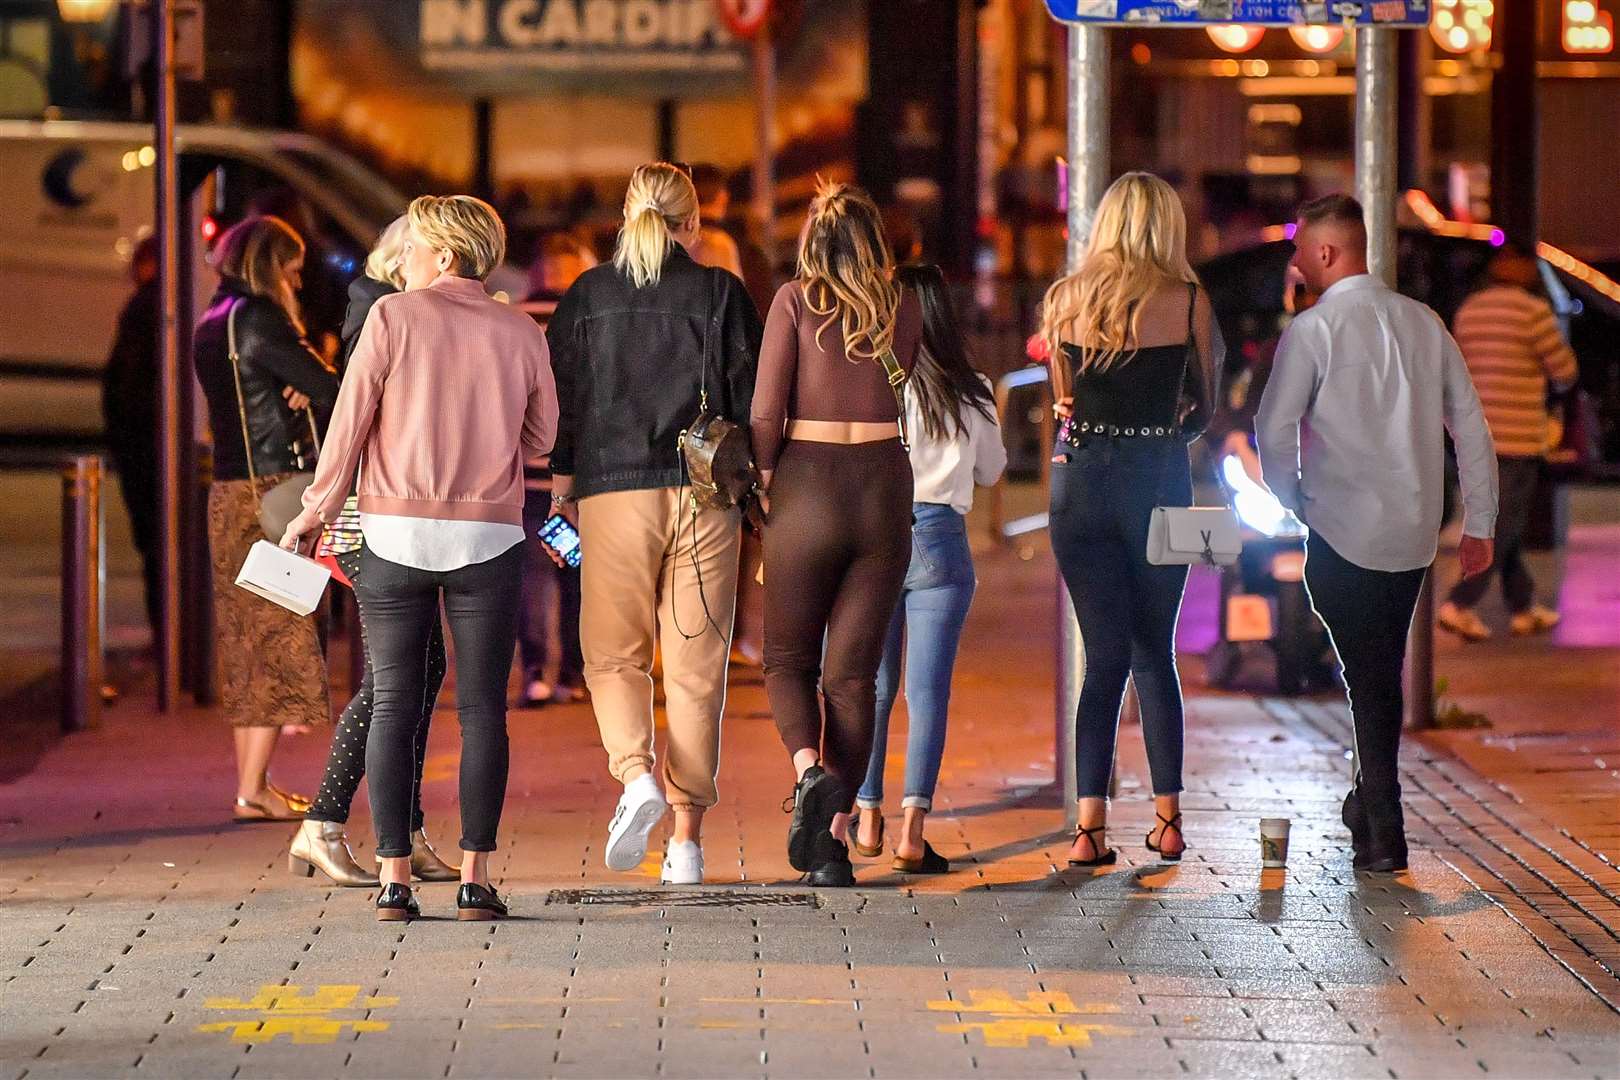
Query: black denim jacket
x: 628, y: 368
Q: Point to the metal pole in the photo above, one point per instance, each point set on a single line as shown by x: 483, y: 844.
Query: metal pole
x: 764, y: 55
x: 166, y: 219
x: 84, y: 575
x: 1088, y: 178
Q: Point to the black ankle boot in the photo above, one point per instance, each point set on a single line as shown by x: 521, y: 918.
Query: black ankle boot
x: 829, y: 863
x: 816, y: 798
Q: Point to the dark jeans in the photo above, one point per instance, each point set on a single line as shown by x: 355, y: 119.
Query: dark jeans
x: 137, y: 479
x: 550, y: 595
x: 1519, y: 476
x: 923, y: 635
x: 346, y: 761
x: 1103, y: 495
x: 836, y: 552
x: 399, y: 605
x: 1368, y: 613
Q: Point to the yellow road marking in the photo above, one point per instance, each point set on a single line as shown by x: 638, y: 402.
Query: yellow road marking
x: 1015, y: 1022
x: 304, y: 1018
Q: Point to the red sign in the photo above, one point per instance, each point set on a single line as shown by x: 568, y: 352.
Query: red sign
x: 744, y: 17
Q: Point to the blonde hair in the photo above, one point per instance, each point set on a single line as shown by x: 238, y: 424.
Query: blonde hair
x: 383, y: 262
x: 255, y: 253
x: 1138, y: 244
x: 846, y: 270
x: 661, y: 199
x: 468, y: 228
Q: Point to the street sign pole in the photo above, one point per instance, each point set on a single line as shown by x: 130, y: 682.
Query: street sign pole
x: 1088, y: 175
x: 166, y: 220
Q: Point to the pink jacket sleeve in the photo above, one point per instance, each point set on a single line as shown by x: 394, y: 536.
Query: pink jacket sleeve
x: 540, y: 418
x: 353, y: 418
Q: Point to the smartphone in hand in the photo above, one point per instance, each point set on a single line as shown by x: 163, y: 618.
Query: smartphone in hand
x: 561, y: 537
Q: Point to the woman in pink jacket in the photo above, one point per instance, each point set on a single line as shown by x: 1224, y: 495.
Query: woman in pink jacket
x: 447, y: 392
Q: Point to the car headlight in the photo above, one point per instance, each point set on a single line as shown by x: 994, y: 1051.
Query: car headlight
x: 1257, y: 507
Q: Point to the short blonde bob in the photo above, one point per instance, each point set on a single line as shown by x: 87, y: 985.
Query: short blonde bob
x: 383, y: 262
x: 468, y: 228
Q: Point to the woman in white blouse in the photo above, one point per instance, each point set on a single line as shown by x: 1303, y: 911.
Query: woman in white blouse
x: 955, y: 443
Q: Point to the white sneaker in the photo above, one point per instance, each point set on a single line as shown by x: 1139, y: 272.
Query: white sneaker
x: 683, y: 864
x: 640, y: 807
x: 1462, y: 622
x: 1534, y: 620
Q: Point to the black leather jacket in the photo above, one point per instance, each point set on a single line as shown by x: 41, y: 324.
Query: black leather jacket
x: 273, y: 356
x: 363, y: 293
x: 627, y: 363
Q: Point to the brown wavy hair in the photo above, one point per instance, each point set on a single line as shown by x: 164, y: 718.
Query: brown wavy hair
x: 846, y: 270
x: 255, y: 253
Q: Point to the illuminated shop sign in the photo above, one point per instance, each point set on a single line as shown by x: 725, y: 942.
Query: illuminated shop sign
x: 632, y: 36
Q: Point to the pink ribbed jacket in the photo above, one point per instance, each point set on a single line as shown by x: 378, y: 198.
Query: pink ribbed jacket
x: 446, y: 393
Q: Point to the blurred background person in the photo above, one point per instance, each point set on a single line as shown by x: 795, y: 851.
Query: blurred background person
x: 1515, y: 354
x: 715, y: 246
x: 641, y: 345
x: 552, y: 668
x: 955, y: 439
x: 319, y: 843
x: 129, y: 411
x: 271, y: 667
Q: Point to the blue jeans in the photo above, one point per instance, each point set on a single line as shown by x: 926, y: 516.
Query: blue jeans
x: 933, y: 606
x: 1103, y: 495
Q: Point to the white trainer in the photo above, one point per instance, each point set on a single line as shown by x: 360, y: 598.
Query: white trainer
x: 640, y: 807
x: 683, y: 863
x: 1536, y: 619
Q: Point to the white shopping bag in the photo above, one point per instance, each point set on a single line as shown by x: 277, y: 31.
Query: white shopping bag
x: 283, y: 577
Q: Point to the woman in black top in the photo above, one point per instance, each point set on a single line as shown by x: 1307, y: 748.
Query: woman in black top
x: 319, y: 843
x: 272, y: 671
x: 639, y: 345
x: 1133, y: 345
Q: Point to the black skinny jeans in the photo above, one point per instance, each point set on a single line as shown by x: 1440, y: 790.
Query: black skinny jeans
x: 836, y: 554
x: 346, y: 762
x: 400, y: 605
x: 1368, y: 614
x: 1103, y: 495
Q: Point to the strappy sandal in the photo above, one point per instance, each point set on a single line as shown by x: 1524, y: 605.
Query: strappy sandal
x: 249, y: 812
x: 1107, y: 858
x: 1169, y: 823
x: 873, y: 852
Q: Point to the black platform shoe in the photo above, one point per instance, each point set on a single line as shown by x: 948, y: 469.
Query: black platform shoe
x: 816, y: 798
x: 478, y: 903
x: 829, y: 863
x: 1382, y: 854
x: 395, y: 903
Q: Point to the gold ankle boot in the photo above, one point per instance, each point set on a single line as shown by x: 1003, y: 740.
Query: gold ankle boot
x: 425, y: 862
x: 319, y: 845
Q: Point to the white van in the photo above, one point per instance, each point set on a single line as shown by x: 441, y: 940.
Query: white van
x: 76, y: 199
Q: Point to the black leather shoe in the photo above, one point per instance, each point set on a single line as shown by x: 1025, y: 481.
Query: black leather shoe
x: 1382, y: 854
x: 816, y: 799
x: 478, y: 903
x: 829, y: 866
x: 395, y: 903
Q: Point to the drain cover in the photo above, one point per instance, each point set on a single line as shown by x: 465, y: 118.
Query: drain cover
x: 674, y: 898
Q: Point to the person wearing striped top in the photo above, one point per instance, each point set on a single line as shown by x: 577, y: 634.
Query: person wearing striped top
x: 1514, y: 350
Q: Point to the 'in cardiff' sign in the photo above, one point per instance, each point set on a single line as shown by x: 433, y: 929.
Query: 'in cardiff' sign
x: 628, y: 36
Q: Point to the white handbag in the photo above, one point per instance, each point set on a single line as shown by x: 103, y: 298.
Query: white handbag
x: 1184, y: 535
x: 283, y: 577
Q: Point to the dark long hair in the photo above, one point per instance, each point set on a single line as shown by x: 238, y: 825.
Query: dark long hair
x: 944, y: 378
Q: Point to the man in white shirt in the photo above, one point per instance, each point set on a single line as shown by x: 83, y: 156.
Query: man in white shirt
x: 1351, y: 433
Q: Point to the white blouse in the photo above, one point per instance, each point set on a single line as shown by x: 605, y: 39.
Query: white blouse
x: 944, y: 470
x: 439, y: 546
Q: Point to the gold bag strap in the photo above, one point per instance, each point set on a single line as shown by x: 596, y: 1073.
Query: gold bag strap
x: 897, y: 383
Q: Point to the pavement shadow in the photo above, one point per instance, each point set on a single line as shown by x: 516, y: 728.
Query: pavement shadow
x: 117, y: 837
x: 1045, y: 797
x: 1015, y: 847
x: 1375, y: 890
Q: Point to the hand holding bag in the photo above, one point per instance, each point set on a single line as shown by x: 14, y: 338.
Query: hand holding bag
x: 282, y: 503
x: 1187, y: 535
x: 283, y: 577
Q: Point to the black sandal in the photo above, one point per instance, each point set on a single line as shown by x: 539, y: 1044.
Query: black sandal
x: 1169, y: 823
x: 1107, y: 858
x: 931, y: 862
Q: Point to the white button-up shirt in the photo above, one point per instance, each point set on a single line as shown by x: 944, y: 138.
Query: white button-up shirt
x: 1351, y: 426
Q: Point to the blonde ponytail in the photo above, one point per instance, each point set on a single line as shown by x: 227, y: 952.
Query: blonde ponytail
x: 661, y: 199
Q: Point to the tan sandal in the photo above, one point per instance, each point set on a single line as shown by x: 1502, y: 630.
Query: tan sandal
x: 873, y: 852
x: 249, y: 812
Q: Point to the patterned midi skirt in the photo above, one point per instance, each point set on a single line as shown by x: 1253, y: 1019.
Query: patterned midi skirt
x: 271, y: 669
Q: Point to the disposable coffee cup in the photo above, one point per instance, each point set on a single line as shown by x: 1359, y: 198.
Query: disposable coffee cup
x: 1274, y: 841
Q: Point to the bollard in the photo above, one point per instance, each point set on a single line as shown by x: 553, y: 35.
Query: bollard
x: 84, y: 576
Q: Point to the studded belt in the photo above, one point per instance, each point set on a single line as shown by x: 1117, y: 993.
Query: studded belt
x: 1072, y: 432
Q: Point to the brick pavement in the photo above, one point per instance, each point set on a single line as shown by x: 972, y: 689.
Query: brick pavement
x: 141, y: 934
